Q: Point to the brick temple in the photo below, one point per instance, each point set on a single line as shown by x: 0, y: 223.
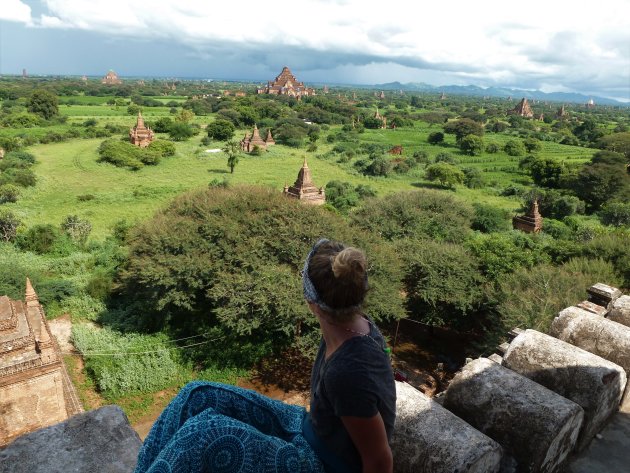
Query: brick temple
x: 249, y: 142
x: 531, y: 222
x: 35, y: 390
x: 141, y: 135
x: 380, y: 117
x: 522, y: 109
x: 286, y: 84
x: 111, y: 78
x: 304, y: 189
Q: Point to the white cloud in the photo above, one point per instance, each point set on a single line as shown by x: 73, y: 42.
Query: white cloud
x: 15, y: 10
x: 561, y: 41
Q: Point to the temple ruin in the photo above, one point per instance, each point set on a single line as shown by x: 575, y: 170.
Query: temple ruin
x: 561, y: 113
x: 286, y: 84
x: 253, y: 141
x: 111, y: 78
x: 382, y: 119
x: 522, y: 109
x: 141, y: 135
x: 35, y: 390
x: 531, y: 222
x: 304, y: 189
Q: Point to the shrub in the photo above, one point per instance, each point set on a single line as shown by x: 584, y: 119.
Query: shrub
x: 514, y: 148
x: 38, y: 238
x: 473, y: 178
x: 162, y: 148
x: 180, y: 131
x: 126, y: 373
x: 614, y: 213
x: 9, y: 193
x: 76, y: 228
x: 120, y: 154
x: 435, y: 138
x: 221, y: 130
x: 490, y: 219
x: 471, y: 145
x: 9, y: 223
x: 492, y: 148
x: 380, y: 166
x: 162, y: 125
x: 444, y: 157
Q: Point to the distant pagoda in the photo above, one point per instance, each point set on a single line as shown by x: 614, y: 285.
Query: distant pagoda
x: 531, y: 222
x: 561, y: 113
x: 286, y: 84
x: 304, y: 189
x: 111, y: 78
x: 249, y: 142
x: 141, y: 135
x: 522, y: 109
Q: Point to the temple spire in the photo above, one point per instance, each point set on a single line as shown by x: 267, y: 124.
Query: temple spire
x: 30, y: 294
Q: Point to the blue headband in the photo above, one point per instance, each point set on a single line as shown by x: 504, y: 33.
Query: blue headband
x: 310, y: 293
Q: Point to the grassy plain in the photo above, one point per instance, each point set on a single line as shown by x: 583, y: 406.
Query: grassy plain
x: 69, y: 170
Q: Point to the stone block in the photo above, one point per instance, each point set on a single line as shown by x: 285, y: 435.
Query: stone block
x: 429, y: 439
x: 593, y: 308
x: 593, y: 383
x: 536, y: 426
x: 620, y: 311
x: 600, y: 336
x: 602, y: 294
x: 96, y: 441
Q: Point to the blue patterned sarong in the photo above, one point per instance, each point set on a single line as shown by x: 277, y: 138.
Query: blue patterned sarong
x: 217, y: 428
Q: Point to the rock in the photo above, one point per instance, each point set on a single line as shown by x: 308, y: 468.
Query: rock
x: 536, y: 426
x: 620, y: 311
x: 590, y: 381
x: 97, y: 441
x: 429, y: 439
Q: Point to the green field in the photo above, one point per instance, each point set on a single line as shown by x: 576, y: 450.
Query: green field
x: 68, y: 170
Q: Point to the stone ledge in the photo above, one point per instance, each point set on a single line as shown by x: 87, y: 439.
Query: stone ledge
x: 97, y: 441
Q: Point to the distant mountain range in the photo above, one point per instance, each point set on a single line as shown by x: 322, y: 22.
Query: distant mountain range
x: 497, y: 92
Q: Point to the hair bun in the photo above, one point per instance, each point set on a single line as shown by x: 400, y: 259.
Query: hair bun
x: 350, y: 265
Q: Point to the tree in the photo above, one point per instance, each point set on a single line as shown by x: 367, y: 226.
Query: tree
x: 423, y: 214
x: 163, y: 125
x: 435, y: 138
x: 546, y: 172
x: 447, y: 174
x: 473, y: 178
x: 221, y: 130
x: 442, y: 282
x: 133, y: 109
x: 9, y: 224
x: 372, y: 123
x: 76, y: 228
x: 471, y: 145
x: 463, y: 127
x: 180, y: 131
x: 341, y: 195
x: 604, y: 178
x: 184, y: 116
x: 215, y: 260
x: 232, y: 149
x: 618, y: 142
x: 43, y: 103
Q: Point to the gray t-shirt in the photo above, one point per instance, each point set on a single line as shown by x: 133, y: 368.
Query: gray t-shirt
x: 357, y: 380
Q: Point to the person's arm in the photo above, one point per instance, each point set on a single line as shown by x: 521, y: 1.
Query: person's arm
x: 370, y: 439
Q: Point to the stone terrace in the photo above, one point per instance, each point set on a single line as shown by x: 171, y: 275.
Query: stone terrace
x: 537, y: 406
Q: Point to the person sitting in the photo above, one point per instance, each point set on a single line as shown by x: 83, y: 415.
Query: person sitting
x: 212, y: 427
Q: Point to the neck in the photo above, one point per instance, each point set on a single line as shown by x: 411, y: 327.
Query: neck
x: 335, y: 333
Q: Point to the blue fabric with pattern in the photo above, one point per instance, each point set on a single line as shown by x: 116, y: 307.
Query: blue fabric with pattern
x: 212, y: 427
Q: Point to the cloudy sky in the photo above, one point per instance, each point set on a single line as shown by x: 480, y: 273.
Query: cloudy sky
x: 551, y: 45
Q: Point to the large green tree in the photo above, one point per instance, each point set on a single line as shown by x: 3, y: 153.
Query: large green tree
x: 446, y: 174
x: 229, y: 260
x: 220, y: 130
x: 43, y: 103
x: 463, y: 127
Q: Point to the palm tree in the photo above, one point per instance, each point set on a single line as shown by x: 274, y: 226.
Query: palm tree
x: 232, y: 149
